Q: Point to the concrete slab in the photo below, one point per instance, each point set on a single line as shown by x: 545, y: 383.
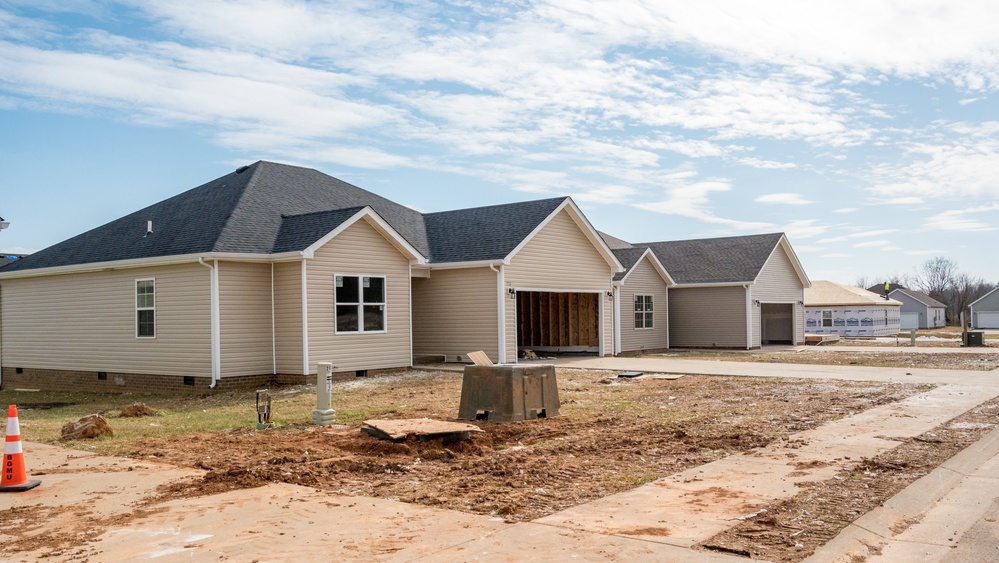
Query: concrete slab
x: 926, y: 520
x: 538, y: 542
x: 282, y: 522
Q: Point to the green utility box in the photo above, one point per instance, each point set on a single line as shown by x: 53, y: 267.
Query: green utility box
x: 508, y: 393
x: 975, y: 338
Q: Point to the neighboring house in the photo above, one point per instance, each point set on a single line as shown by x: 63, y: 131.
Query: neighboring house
x: 831, y: 308
x: 730, y: 292
x: 260, y: 274
x: 919, y: 310
x: 880, y: 288
x: 985, y: 310
x: 640, y: 301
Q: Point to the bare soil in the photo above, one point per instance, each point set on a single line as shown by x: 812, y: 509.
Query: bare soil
x: 615, y: 434
x: 889, y: 357
x: 793, y: 529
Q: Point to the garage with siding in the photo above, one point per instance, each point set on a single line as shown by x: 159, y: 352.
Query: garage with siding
x: 985, y: 310
x: 731, y: 292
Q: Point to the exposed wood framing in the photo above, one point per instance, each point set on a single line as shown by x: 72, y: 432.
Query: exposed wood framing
x: 558, y: 320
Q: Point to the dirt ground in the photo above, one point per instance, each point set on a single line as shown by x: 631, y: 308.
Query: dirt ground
x: 889, y: 357
x: 614, y: 434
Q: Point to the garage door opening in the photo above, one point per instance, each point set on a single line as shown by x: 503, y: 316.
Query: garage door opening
x: 777, y: 323
x: 556, y: 323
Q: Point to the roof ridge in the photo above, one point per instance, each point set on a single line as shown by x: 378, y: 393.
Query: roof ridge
x: 509, y: 204
x: 254, y: 170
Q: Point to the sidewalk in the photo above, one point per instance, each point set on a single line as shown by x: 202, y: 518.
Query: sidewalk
x: 655, y: 522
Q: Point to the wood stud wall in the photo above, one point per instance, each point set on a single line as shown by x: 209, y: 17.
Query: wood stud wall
x: 558, y: 319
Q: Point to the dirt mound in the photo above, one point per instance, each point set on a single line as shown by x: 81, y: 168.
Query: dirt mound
x: 136, y: 410
x: 88, y: 427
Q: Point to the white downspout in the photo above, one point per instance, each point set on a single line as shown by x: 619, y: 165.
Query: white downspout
x: 410, y: 314
x: 500, y: 312
x: 749, y: 319
x: 216, y: 330
x: 617, y: 320
x: 273, y: 327
x: 305, y: 320
x: 666, y: 304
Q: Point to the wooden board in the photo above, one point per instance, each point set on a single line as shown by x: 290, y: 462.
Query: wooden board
x: 549, y: 320
x: 479, y: 358
x: 399, y: 429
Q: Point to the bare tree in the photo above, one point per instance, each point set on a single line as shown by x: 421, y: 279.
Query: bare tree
x: 935, y: 277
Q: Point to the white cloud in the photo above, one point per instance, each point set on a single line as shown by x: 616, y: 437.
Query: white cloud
x: 966, y: 219
x: 872, y: 244
x: 766, y: 164
x: 846, y: 210
x: 692, y: 200
x: 836, y: 255
x: 783, y: 198
x: 803, y: 228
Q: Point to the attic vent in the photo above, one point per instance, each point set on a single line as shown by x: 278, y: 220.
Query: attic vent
x: 149, y: 228
x: 241, y: 169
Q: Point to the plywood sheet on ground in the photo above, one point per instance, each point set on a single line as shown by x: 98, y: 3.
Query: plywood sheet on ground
x: 400, y: 429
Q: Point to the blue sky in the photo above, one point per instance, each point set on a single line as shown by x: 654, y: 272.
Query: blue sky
x: 868, y: 131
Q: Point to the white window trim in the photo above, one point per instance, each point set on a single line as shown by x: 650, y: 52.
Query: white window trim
x: 135, y: 297
x: 360, y: 304
x: 651, y: 299
x: 822, y: 319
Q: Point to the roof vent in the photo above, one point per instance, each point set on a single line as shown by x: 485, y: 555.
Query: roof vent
x: 149, y: 228
x: 241, y: 169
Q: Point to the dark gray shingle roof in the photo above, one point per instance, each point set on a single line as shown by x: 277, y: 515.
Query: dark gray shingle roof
x: 920, y: 296
x: 268, y: 207
x: 714, y: 260
x: 8, y: 258
x: 628, y: 257
x: 484, y: 233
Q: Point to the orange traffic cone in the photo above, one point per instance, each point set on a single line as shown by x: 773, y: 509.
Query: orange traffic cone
x: 14, y: 479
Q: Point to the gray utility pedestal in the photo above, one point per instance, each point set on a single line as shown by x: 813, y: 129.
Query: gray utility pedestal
x: 508, y: 393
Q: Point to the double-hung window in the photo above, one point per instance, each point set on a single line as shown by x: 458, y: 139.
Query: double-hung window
x: 643, y: 311
x: 145, y: 308
x: 827, y: 318
x: 360, y: 303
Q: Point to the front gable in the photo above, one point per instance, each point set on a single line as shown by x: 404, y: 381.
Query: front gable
x: 559, y: 255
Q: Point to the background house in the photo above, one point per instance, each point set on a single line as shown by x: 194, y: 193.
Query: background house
x: 985, y: 310
x: 831, y: 308
x: 919, y: 310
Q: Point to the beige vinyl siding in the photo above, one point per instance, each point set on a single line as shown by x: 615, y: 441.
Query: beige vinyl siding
x: 643, y: 280
x: 778, y: 282
x: 359, y: 250
x: 705, y: 317
x: 245, y: 318
x: 288, y: 317
x: 454, y: 312
x: 559, y: 258
x: 86, y: 321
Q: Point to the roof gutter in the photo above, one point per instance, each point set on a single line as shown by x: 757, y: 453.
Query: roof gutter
x: 155, y: 261
x: 216, y: 330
